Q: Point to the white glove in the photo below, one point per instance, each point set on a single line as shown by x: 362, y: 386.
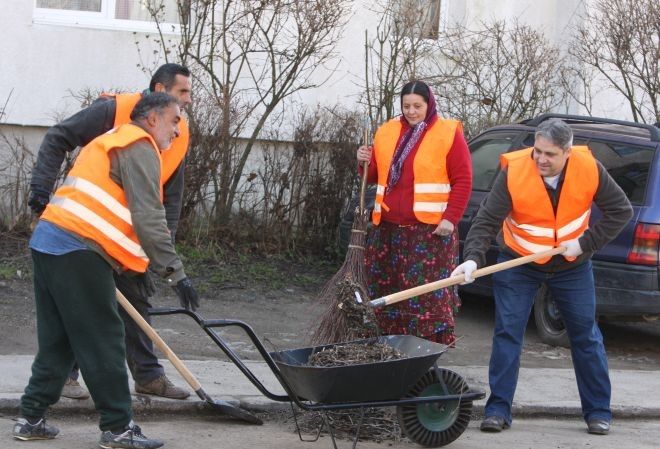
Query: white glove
x: 573, y: 248
x: 468, y: 267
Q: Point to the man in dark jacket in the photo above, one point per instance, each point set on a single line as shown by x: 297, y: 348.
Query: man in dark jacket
x: 77, y: 131
x: 542, y: 199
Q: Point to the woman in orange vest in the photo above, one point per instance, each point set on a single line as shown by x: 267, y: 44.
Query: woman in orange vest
x: 421, y: 164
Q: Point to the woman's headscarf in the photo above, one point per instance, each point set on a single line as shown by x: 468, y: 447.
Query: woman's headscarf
x: 412, y: 135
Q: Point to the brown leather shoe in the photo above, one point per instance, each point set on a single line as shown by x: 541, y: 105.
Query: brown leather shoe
x: 161, y: 386
x: 73, y: 390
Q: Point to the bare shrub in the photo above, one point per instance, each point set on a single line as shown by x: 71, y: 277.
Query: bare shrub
x: 619, y: 42
x: 501, y: 73
x: 246, y: 58
x: 293, y: 199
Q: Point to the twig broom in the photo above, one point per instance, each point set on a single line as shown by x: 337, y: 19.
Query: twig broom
x: 348, y: 285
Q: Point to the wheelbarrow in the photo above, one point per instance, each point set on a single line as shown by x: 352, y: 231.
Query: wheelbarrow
x: 433, y: 404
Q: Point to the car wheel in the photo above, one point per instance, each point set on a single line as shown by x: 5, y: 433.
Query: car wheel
x: 549, y: 324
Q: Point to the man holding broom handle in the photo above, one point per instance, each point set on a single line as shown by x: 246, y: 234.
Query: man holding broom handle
x: 542, y: 199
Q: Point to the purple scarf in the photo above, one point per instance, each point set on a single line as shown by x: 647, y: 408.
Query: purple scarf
x: 409, y: 141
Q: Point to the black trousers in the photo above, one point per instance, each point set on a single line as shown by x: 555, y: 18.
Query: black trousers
x: 77, y: 318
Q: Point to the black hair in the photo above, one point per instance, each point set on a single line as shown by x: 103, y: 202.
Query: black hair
x: 416, y: 87
x: 157, y: 101
x: 166, y: 75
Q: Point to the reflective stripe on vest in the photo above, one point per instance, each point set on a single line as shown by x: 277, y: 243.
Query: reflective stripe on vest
x: 532, y: 225
x: 430, y: 177
x: 91, y: 205
x: 171, y: 157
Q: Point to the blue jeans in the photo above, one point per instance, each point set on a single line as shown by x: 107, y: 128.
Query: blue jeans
x: 574, y: 294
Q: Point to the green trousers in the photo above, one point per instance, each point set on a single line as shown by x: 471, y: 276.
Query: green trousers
x: 77, y: 319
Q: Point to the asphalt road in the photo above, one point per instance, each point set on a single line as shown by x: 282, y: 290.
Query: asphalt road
x: 210, y: 433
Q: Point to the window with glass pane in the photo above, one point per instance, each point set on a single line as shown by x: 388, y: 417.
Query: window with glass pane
x: 166, y: 10
x: 72, y: 5
x: 628, y: 165
x: 486, y: 158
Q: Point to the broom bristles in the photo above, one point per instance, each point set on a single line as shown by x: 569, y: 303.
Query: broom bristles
x: 334, y: 326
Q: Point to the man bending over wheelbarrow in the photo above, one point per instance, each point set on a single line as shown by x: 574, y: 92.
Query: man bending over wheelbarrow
x: 542, y: 199
x: 108, y: 214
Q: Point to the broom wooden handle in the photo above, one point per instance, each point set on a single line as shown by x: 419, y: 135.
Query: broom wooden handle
x: 448, y: 282
x: 365, y: 166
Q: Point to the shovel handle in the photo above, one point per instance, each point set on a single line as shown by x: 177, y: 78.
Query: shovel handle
x: 155, y: 338
x: 448, y: 282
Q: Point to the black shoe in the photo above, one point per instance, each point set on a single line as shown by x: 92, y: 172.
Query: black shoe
x: 25, y: 431
x: 598, y: 427
x: 130, y: 438
x: 493, y: 423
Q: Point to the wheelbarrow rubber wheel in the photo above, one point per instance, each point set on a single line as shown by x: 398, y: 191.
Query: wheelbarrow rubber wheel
x: 436, y: 424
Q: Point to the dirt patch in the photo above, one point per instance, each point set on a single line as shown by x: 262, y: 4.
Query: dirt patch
x: 273, y: 296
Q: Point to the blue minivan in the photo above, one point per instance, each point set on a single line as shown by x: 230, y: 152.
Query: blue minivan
x: 627, y: 270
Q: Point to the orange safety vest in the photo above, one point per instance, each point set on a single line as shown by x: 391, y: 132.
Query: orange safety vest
x: 532, y: 225
x: 431, y: 180
x: 173, y: 156
x: 91, y: 205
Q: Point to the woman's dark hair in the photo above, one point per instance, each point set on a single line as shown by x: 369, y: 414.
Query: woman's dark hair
x: 416, y: 87
x: 166, y: 75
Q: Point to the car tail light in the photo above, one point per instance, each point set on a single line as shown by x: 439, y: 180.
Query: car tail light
x: 646, y: 245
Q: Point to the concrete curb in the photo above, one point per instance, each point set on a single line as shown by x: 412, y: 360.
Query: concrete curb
x: 540, y: 392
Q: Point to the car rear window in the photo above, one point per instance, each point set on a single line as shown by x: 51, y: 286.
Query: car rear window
x: 629, y: 165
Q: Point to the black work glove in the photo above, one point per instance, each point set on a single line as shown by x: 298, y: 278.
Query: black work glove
x: 38, y: 200
x: 187, y: 294
x: 145, y: 285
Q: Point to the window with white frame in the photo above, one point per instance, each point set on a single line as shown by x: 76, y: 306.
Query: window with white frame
x: 135, y: 15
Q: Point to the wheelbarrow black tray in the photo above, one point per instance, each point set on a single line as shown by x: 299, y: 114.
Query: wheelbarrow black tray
x: 375, y: 381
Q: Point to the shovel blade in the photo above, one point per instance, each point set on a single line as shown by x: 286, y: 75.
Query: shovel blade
x: 236, y: 412
x: 228, y: 409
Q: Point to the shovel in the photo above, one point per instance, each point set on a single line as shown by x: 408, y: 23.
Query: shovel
x: 222, y: 406
x: 448, y: 282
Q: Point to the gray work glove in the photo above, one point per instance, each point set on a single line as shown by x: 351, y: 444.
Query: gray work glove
x: 145, y: 285
x: 187, y: 294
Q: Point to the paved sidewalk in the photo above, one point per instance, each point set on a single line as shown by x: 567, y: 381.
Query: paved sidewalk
x: 549, y: 392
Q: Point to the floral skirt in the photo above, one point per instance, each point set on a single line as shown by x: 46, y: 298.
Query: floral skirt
x: 402, y: 257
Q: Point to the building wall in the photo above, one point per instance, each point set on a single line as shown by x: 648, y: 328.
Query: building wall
x: 43, y: 64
